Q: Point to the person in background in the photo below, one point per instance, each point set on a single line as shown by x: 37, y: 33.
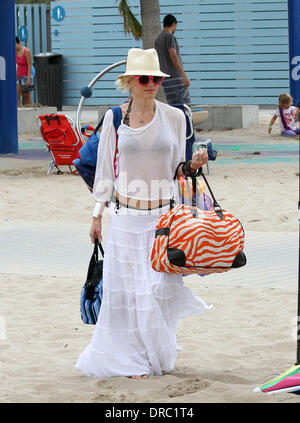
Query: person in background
x: 297, y: 110
x: 24, y: 73
x: 287, y: 114
x: 166, y: 45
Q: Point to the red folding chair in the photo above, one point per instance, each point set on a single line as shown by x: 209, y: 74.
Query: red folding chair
x: 62, y: 139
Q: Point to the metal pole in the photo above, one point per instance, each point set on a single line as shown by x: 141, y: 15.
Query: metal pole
x: 294, y: 48
x: 91, y: 84
x: 8, y: 91
x: 298, y: 316
x: 294, y: 63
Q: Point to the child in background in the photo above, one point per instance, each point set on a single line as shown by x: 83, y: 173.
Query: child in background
x: 287, y: 114
x: 297, y: 110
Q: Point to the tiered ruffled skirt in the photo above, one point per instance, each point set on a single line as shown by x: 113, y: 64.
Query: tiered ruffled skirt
x: 136, y: 329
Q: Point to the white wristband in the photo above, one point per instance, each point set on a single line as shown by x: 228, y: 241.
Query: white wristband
x: 98, y: 209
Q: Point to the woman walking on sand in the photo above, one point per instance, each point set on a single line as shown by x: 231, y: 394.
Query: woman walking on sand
x: 135, y: 334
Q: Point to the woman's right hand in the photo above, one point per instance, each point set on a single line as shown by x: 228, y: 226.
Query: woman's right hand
x: 95, y: 231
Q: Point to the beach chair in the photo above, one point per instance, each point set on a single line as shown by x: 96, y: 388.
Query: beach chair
x: 62, y: 139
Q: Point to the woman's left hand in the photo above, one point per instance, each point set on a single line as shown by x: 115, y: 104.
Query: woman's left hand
x: 199, y: 159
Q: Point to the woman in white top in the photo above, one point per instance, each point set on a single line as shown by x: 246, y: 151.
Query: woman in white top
x: 135, y: 334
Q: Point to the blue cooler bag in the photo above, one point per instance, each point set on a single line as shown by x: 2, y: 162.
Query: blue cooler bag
x: 86, y: 163
x: 92, y: 290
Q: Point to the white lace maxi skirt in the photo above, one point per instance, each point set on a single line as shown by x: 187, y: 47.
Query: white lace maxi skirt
x: 136, y: 329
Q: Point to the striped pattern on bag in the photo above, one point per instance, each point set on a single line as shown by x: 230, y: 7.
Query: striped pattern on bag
x: 90, y: 306
x: 205, y: 244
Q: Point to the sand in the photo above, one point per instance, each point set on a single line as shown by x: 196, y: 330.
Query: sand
x: 241, y: 343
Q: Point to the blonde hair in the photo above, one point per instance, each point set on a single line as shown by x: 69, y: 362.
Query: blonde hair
x: 122, y: 83
x: 284, y: 99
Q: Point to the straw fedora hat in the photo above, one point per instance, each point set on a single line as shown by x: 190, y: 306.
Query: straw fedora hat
x: 142, y: 62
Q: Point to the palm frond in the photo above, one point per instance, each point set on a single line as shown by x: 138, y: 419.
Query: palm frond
x: 131, y: 24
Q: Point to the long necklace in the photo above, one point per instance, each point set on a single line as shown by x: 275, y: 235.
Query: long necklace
x: 126, y: 118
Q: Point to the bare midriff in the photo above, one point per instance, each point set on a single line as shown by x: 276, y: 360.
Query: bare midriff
x: 140, y: 204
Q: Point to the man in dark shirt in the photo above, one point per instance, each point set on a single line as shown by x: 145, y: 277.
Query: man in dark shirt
x: 176, y: 87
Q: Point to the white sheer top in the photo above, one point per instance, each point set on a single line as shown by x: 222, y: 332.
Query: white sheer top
x: 147, y: 156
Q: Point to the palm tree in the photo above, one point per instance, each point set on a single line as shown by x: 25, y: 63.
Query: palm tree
x: 150, y: 27
x: 148, y: 30
x: 131, y: 24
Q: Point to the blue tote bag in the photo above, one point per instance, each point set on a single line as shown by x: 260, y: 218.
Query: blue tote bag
x: 92, y: 290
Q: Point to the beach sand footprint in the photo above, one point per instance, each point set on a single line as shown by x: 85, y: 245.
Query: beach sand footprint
x: 189, y: 386
x: 227, y: 377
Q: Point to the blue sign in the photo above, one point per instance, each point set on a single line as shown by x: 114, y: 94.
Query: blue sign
x: 23, y: 33
x: 294, y: 48
x: 8, y: 97
x: 59, y: 13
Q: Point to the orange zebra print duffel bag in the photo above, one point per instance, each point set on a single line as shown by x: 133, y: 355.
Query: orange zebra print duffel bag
x: 190, y: 240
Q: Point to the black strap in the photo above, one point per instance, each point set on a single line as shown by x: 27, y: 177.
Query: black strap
x: 91, y: 282
x: 118, y: 205
x: 186, y: 169
x: 187, y: 173
x: 96, y: 246
x: 162, y: 231
x: 216, y: 206
x: 175, y: 174
x: 52, y: 117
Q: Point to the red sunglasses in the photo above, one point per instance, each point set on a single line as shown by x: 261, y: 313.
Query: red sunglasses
x: 145, y: 79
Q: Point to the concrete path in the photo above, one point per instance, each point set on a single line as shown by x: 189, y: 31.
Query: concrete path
x: 229, y: 152
x: 272, y: 257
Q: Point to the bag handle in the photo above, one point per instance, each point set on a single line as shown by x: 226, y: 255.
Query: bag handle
x: 90, y: 283
x: 52, y: 116
x: 185, y: 169
x: 217, y: 208
x: 94, y: 258
x: 96, y: 246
